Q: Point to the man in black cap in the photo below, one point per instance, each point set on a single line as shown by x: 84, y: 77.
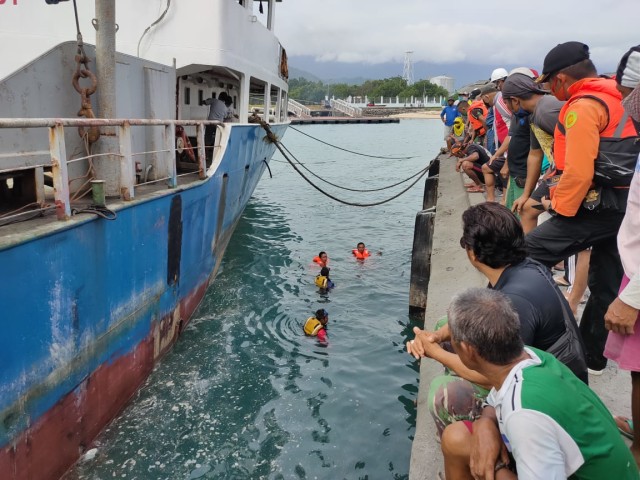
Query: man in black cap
x: 522, y: 92
x: 586, y: 211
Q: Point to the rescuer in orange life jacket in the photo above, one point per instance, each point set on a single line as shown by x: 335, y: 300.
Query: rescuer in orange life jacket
x: 590, y: 198
x: 361, y: 252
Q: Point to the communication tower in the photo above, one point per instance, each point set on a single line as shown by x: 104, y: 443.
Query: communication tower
x: 407, y: 71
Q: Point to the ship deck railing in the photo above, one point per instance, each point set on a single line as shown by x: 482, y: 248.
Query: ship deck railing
x: 58, y: 163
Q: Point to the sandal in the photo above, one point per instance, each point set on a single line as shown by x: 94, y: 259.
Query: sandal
x: 625, y: 426
x: 561, y: 281
x: 475, y: 189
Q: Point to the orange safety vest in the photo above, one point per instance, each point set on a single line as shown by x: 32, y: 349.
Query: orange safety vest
x: 361, y: 256
x: 475, y: 123
x: 319, y: 261
x: 604, y: 91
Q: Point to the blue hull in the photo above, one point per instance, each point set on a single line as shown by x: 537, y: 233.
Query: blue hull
x: 110, y: 297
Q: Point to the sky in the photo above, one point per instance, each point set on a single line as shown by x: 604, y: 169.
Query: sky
x: 462, y: 38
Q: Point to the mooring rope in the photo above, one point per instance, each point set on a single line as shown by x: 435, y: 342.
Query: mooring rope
x: 353, y: 189
x: 285, y: 153
x: 350, y: 151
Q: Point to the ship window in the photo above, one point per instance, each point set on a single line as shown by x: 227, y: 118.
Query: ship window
x: 200, y: 97
x: 187, y: 96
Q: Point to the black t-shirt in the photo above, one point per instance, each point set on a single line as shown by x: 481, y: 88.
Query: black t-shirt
x: 519, y: 145
x: 535, y: 299
x: 483, y: 154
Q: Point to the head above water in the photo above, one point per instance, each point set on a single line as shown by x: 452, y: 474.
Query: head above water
x: 360, y: 247
x: 484, y: 324
x: 493, y: 234
x: 322, y: 315
x: 323, y: 256
x: 324, y: 271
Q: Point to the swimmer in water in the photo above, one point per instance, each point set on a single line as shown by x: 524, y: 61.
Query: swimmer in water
x: 316, y: 326
x: 360, y: 252
x: 321, y: 259
x: 323, y: 281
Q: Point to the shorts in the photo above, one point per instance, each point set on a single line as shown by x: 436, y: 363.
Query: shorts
x: 496, y: 165
x: 513, y: 193
x: 540, y: 192
x: 448, y: 130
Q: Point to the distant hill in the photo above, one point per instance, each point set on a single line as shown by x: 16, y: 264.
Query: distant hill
x: 299, y: 73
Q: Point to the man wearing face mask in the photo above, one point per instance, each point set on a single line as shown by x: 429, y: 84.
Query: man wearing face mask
x: 586, y: 208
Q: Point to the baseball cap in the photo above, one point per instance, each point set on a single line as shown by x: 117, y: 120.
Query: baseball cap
x: 525, y: 71
x: 488, y: 88
x: 474, y: 93
x: 498, y: 74
x: 562, y: 56
x: 519, y: 85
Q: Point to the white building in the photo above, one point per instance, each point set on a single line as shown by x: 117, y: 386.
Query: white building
x: 444, y: 81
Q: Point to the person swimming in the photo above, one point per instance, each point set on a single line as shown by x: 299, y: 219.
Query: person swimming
x: 323, y: 280
x: 321, y: 259
x: 316, y: 326
x: 360, y: 252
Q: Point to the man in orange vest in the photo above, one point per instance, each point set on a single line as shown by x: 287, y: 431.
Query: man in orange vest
x: 586, y: 210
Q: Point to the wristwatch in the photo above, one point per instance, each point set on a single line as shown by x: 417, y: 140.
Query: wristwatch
x: 500, y: 466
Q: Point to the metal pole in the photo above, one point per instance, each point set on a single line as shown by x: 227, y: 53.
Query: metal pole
x: 106, y: 57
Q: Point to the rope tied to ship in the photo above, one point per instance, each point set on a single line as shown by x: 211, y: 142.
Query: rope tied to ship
x: 99, y: 210
x: 272, y: 138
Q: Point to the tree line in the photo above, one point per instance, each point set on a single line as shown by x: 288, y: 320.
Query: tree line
x: 304, y: 90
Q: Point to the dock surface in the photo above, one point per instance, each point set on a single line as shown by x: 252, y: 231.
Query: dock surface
x: 451, y: 272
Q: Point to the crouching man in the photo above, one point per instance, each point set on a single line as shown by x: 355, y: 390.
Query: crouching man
x: 539, y: 421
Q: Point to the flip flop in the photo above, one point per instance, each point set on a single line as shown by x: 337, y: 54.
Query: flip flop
x: 625, y: 426
x: 475, y: 189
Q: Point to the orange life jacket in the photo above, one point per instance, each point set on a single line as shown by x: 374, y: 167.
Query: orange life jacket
x: 319, y: 261
x: 361, y: 256
x: 604, y: 91
x: 475, y: 123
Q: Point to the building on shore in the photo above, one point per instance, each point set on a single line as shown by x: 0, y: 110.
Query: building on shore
x: 445, y: 82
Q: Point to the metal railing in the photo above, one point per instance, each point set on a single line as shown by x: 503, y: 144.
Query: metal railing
x: 127, y: 184
x: 346, y: 108
x: 299, y: 109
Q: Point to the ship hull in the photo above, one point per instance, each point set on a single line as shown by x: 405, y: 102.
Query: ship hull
x: 91, y: 308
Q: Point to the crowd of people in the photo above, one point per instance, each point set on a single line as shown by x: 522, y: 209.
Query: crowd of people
x: 514, y: 400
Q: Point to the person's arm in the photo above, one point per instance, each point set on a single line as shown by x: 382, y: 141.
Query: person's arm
x: 622, y: 314
x: 470, y: 158
x: 502, y: 150
x: 208, y: 101
x: 583, y: 123
x: 322, y: 335
x: 534, y: 164
x: 442, y: 114
x: 452, y: 362
x: 487, y: 448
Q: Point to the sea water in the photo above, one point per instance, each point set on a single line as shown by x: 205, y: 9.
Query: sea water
x: 244, y: 394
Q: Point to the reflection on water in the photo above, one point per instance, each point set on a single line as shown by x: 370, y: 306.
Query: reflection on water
x: 244, y: 394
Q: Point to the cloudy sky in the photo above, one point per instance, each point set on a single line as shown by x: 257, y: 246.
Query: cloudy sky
x: 350, y: 38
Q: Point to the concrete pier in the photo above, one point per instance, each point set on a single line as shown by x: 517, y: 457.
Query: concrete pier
x: 451, y: 272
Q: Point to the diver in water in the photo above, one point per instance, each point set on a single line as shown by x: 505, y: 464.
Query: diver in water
x: 317, y: 326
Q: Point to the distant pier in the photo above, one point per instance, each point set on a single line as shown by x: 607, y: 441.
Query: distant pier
x: 341, y: 120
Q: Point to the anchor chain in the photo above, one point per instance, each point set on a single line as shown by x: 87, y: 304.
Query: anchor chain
x: 82, y: 71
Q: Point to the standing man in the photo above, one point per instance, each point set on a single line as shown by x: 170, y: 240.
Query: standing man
x: 621, y: 319
x: 218, y: 110
x: 448, y: 117
x: 585, y: 211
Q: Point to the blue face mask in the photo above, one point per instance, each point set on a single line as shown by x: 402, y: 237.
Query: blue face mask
x: 522, y: 115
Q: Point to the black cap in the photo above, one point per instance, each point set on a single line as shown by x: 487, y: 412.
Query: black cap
x: 474, y: 93
x: 562, y: 56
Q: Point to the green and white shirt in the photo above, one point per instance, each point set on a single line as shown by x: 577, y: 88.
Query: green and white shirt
x: 556, y: 427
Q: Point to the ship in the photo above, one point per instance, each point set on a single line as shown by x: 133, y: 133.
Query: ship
x: 115, y: 209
